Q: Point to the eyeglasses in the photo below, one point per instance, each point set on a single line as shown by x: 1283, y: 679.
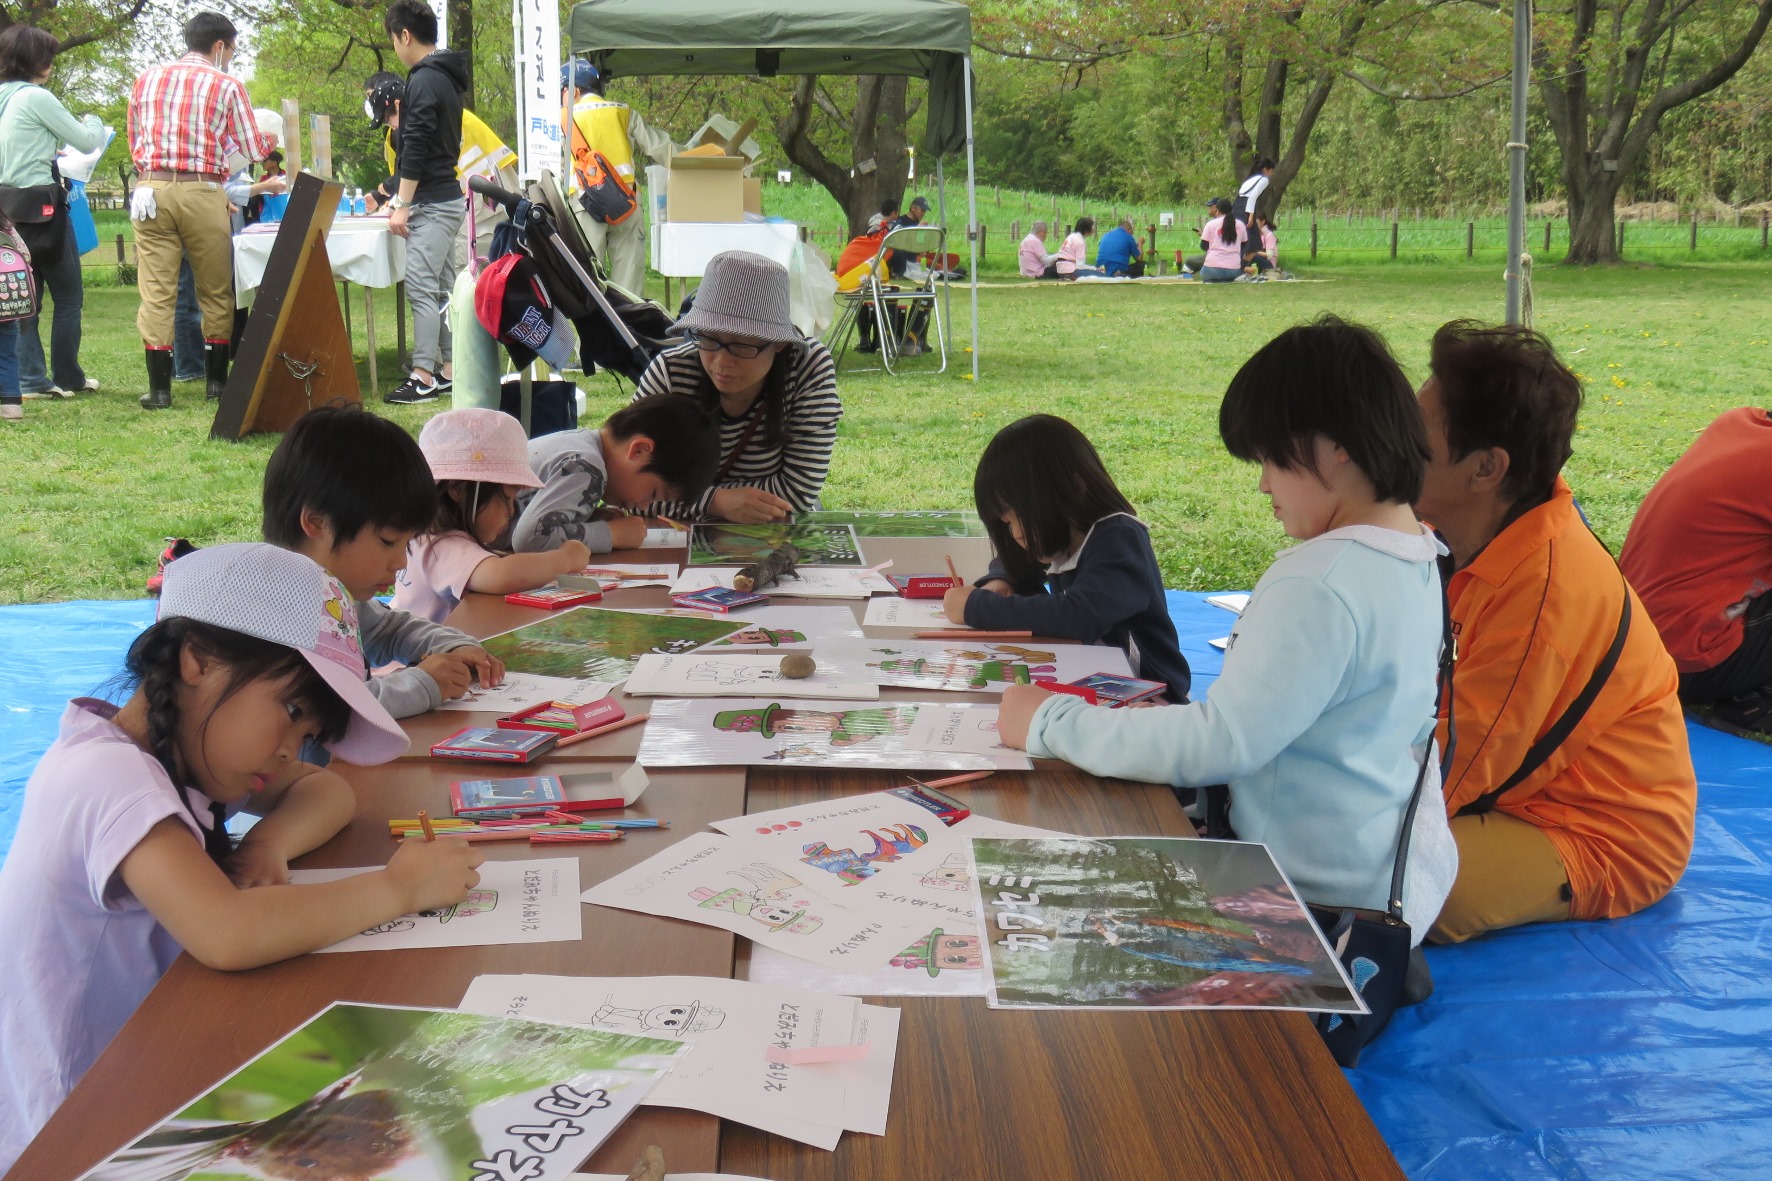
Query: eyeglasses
x: 744, y: 350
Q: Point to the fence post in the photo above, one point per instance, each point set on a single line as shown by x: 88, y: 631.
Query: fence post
x: 1393, y: 237
x: 1765, y: 223
x: 1470, y: 239
x: 1015, y: 230
x: 805, y: 233
x: 1547, y: 232
x: 1621, y: 238
x: 1694, y: 240
x: 120, y: 259
x: 983, y: 230
x: 1313, y: 239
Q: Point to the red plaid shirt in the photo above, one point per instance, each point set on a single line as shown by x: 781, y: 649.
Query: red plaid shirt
x: 187, y: 116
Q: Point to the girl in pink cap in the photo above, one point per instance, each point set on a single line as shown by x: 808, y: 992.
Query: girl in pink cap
x: 480, y: 460
x: 122, y: 859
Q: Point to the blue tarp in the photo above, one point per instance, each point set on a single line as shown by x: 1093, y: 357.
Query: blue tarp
x: 1634, y: 1049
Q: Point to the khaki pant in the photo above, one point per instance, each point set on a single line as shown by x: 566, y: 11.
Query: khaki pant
x: 621, y: 249
x: 192, y: 223
x: 1509, y: 874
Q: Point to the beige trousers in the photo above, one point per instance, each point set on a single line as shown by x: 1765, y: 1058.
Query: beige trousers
x: 192, y: 222
x: 1509, y: 874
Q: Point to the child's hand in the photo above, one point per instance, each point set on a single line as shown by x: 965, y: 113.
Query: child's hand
x: 1017, y: 713
x: 574, y: 556
x: 452, y: 671
x: 997, y: 586
x: 435, y: 873
x: 627, y: 532
x: 748, y: 505
x: 953, y: 604
x: 253, y: 865
x: 489, y: 669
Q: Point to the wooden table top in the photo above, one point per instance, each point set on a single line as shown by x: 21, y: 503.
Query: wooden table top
x: 978, y: 1093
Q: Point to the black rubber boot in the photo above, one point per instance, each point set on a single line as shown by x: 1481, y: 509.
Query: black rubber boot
x: 215, y: 362
x: 159, y: 395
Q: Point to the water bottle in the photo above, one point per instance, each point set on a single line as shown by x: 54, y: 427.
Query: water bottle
x: 344, y: 204
x: 358, y: 205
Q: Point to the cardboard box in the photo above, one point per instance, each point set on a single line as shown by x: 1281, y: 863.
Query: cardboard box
x: 705, y: 188
x: 753, y: 195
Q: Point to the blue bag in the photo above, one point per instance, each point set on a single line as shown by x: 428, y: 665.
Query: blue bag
x: 80, y: 218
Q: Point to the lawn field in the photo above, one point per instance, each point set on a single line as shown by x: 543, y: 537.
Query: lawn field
x: 93, y: 485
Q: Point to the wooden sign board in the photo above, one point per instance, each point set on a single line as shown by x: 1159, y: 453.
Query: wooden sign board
x: 320, y: 144
x: 292, y: 157
x: 296, y: 352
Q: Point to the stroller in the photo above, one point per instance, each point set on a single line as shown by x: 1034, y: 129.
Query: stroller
x: 617, y: 330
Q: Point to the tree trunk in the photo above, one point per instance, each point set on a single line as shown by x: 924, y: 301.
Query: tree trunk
x: 1593, y: 230
x: 461, y: 37
x: 879, y: 161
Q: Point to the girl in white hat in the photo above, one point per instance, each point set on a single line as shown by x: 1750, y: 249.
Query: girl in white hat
x: 480, y: 460
x: 776, y: 393
x: 122, y: 859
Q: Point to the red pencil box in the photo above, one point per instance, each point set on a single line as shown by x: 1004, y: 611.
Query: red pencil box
x: 563, y: 720
x: 552, y: 598
x: 492, y: 745
x: 922, y: 586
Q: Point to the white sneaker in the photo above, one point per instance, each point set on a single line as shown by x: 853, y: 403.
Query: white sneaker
x: 11, y: 412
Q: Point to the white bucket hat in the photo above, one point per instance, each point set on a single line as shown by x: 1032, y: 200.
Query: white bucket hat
x: 480, y: 445
x: 284, y: 597
x: 742, y: 294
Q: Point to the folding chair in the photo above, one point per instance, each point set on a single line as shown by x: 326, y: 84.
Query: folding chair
x: 896, y: 300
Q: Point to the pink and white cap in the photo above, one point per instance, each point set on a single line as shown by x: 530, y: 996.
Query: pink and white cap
x: 284, y: 597
x: 474, y: 443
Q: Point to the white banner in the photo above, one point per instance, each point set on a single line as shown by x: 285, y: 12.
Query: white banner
x: 538, y: 87
x: 441, y: 8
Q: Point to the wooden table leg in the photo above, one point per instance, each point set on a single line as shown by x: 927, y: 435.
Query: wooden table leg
x: 369, y: 328
x: 344, y: 300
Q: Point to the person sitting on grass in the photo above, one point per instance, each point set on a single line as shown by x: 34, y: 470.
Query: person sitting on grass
x: 1700, y: 556
x: 1035, y: 261
x: 1119, y: 252
x: 1571, y: 787
x: 1222, y: 239
x: 351, y: 490
x: 652, y: 450
x: 1261, y: 253
x: 1073, y: 252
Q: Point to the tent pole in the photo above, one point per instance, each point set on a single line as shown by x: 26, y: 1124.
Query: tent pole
x: 1516, y: 150
x: 941, y: 213
x: 972, y: 211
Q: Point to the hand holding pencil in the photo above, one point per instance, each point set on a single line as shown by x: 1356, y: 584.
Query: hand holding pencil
x: 432, y: 872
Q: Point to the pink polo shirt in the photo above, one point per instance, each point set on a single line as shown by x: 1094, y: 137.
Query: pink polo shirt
x: 1072, y: 253
x: 1224, y: 254
x: 438, y: 567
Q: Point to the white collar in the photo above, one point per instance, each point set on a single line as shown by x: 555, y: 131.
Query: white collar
x: 1409, y: 547
x: 1069, y: 562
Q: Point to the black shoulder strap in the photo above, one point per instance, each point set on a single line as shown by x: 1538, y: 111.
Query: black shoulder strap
x: 1448, y: 661
x: 1565, y: 725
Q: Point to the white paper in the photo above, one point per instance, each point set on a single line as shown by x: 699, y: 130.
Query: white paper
x: 924, y: 614
x: 730, y: 1026
x: 707, y: 878
x: 664, y: 539
x: 1234, y: 603
x: 958, y: 729
x: 809, y: 582
x: 741, y: 674
x: 764, y: 731
x: 849, y: 839
x: 515, y: 902
x: 782, y: 628
x: 78, y: 165
x: 975, y: 666
x: 522, y: 690
x: 628, y: 574
x: 905, y: 975
x: 1222, y: 643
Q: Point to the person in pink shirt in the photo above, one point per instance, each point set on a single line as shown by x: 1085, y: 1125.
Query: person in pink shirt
x: 122, y: 860
x: 1073, y: 252
x: 1036, y: 261
x: 480, y: 460
x: 1223, y: 239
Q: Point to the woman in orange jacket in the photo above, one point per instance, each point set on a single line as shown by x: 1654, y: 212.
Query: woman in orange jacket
x: 1571, y: 788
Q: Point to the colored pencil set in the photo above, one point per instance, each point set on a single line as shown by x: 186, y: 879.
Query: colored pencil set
x: 555, y: 828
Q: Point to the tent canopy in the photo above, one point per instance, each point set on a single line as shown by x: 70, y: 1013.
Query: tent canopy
x: 920, y: 38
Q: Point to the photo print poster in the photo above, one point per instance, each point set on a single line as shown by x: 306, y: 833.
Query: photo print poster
x: 725, y: 544
x: 769, y: 731
x: 808, y: 582
x: 598, y: 644
x: 924, y: 523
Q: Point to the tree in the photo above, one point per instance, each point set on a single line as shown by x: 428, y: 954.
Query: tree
x: 75, y: 24
x: 1609, y: 74
x: 875, y: 129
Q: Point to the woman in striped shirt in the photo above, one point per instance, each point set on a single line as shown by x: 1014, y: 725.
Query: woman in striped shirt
x: 776, y: 393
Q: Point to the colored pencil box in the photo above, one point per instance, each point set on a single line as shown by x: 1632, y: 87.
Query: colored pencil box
x: 495, y: 745
x: 552, y: 598
x: 1110, y: 689
x: 537, y: 795
x: 717, y: 599
x: 563, y: 719
x: 945, y: 806
x: 922, y: 586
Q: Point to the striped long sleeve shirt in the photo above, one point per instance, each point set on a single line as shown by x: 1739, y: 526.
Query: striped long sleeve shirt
x: 187, y: 116
x: 795, y: 468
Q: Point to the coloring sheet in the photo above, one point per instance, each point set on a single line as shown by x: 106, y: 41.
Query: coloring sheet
x: 522, y: 690
x: 515, y: 902
x: 849, y: 839
x: 710, y: 879
x: 893, y: 611
x: 376, y: 1091
x: 809, y: 582
x: 664, y: 538
x: 730, y: 1028
x: 739, y: 545
x: 600, y: 644
x: 987, y: 666
x: 1151, y: 923
x: 958, y: 730
x: 926, y: 523
x: 764, y: 732
x: 798, y: 626
x: 1234, y: 603
x: 621, y: 575
x: 743, y: 674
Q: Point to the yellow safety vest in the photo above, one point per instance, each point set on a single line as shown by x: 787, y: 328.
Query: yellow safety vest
x: 482, y: 152
x: 602, y: 126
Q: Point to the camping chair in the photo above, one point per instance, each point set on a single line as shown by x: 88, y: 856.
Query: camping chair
x: 900, y: 301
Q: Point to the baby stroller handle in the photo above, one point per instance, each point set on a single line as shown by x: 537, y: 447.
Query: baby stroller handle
x: 504, y: 197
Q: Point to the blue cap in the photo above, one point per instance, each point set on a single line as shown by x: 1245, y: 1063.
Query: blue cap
x: 578, y: 74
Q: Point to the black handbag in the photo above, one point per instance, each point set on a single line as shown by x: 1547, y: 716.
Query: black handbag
x: 40, y: 212
x: 543, y: 407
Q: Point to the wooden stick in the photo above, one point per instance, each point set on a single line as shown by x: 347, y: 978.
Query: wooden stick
x: 424, y: 822
x: 601, y: 730
x: 966, y: 633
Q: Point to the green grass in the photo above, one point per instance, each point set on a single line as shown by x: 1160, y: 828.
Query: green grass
x: 93, y: 485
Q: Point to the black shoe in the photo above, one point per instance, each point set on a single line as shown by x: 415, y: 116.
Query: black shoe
x: 1751, y: 712
x: 215, y: 371
x: 159, y: 395
x: 868, y: 346
x: 411, y: 392
x: 443, y: 385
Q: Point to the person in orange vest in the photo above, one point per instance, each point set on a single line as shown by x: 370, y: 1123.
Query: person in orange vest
x: 604, y: 138
x: 1569, y: 782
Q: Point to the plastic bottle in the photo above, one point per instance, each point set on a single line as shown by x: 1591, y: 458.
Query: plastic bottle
x: 358, y: 205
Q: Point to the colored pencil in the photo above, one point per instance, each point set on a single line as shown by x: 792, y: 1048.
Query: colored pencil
x: 424, y: 822
x: 573, y: 838
x: 602, y: 730
x: 955, y: 574
x: 965, y: 633
x: 951, y: 780
x: 674, y: 525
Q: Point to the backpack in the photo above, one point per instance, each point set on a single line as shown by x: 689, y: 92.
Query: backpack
x: 18, y: 287
x: 601, y: 190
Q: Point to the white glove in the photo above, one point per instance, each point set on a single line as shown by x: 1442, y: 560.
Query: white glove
x: 143, y: 206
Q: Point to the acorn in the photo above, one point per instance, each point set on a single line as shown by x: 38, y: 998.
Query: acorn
x: 797, y: 666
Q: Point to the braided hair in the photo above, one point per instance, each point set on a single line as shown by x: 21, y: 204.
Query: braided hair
x: 152, y: 668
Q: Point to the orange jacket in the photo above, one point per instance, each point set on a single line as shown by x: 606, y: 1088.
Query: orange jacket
x: 1534, y: 613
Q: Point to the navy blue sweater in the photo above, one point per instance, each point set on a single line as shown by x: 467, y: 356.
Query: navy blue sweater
x: 1113, y: 594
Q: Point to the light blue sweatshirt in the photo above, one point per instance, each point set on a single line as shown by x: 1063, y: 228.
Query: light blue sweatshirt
x: 1319, y: 722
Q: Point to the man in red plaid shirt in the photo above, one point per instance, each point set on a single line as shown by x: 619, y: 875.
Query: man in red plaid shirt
x: 185, y: 119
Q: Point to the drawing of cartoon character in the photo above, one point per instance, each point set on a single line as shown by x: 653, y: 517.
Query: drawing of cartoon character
x: 391, y: 927
x: 855, y: 867
x: 728, y: 675
x: 758, y: 637
x: 953, y: 874
x: 477, y: 902
x: 938, y: 952
x: 668, y: 1020
x: 792, y: 919
x: 848, y: 728
x: 789, y: 753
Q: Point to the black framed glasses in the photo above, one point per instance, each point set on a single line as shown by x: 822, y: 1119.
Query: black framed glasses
x: 744, y: 350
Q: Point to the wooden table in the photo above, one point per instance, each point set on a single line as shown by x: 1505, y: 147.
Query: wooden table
x: 980, y: 1094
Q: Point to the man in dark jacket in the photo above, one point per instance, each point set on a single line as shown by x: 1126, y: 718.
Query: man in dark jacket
x: 428, y: 208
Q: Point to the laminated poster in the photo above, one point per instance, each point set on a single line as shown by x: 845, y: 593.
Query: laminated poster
x: 959, y: 730
x: 937, y: 523
x: 740, y: 545
x: 515, y: 902
x: 662, y: 538
x: 986, y: 666
x: 1149, y: 923
x: 743, y: 674
x: 893, y: 611
x: 373, y: 1091
x: 730, y: 1028
x: 780, y: 731
x: 621, y: 575
x: 798, y: 626
x: 809, y: 582
x: 594, y: 643
x: 519, y: 691
x: 710, y: 879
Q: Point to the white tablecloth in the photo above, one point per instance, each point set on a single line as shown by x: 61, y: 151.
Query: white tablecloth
x: 360, y: 248
x: 682, y: 250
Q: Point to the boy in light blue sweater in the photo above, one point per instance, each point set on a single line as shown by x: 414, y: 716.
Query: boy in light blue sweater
x: 1324, y: 713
